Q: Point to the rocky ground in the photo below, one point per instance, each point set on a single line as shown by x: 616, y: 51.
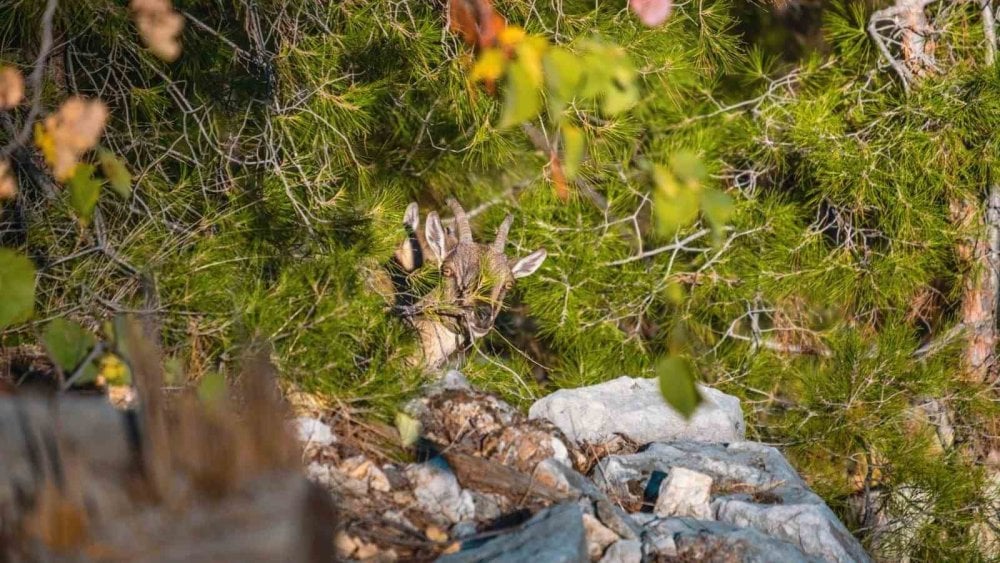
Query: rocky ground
x: 606, y: 473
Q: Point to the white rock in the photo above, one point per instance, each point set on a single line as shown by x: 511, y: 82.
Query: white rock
x: 623, y: 551
x: 635, y: 408
x: 438, y: 492
x: 685, y: 493
x: 313, y: 432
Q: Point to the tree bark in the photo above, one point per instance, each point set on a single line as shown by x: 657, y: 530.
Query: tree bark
x: 980, y: 254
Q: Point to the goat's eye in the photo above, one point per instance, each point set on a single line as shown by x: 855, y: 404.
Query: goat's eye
x: 446, y: 271
x: 508, y: 285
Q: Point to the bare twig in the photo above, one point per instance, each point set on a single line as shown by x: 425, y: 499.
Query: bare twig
x: 906, y: 18
x: 37, y: 74
x: 97, y: 350
x: 990, y: 30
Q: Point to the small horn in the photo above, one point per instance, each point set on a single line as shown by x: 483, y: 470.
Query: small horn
x: 500, y: 242
x: 461, y: 221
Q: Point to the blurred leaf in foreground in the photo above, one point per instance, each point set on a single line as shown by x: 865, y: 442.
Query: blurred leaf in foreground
x: 68, y: 343
x: 17, y: 287
x: 117, y: 173
x: 83, y: 191
x: 677, y: 384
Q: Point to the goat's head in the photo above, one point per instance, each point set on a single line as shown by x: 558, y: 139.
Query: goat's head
x: 476, y: 277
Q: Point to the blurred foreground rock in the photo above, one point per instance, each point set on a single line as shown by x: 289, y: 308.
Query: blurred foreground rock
x: 80, y: 482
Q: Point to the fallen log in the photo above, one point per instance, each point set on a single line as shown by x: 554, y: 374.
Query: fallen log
x: 484, y: 475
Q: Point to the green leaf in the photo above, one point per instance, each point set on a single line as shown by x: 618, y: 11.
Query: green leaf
x: 717, y: 206
x: 674, y: 206
x: 67, y: 343
x: 563, y: 73
x: 675, y: 292
x: 621, y: 92
x: 688, y: 167
x: 521, y: 98
x: 677, y: 384
x: 83, y: 191
x: 596, y: 75
x: 572, y: 141
x: 17, y: 287
x: 119, y: 178
x: 409, y: 429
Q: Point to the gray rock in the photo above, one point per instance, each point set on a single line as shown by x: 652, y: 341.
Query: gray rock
x: 487, y: 506
x: 623, y: 551
x: 685, y: 493
x: 463, y: 530
x: 554, y: 535
x: 437, y: 491
x: 619, y: 521
x: 634, y: 407
x: 748, y: 466
x: 313, y: 432
x: 695, y: 540
x: 812, y: 527
x: 559, y: 475
x: 754, y: 487
x: 563, y: 478
x: 454, y: 379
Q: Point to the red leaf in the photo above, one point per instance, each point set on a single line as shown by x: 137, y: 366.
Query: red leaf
x: 652, y: 12
x: 476, y: 21
x: 463, y: 21
x: 558, y: 177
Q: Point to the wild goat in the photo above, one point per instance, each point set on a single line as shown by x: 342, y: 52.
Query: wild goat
x: 474, y: 280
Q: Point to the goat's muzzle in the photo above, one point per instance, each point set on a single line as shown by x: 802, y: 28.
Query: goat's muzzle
x: 481, y: 320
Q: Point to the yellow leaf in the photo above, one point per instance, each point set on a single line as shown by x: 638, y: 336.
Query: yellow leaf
x: 489, y: 66
x: 113, y: 370
x: 455, y: 547
x: 409, y: 429
x: 529, y: 55
x: 572, y: 150
x: 435, y: 534
x: 46, y: 144
x: 511, y: 36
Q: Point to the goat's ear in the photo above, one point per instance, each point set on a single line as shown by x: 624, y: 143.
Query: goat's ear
x: 529, y: 264
x: 434, y: 233
x: 412, y: 217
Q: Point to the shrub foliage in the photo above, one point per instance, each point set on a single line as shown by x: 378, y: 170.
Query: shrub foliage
x: 272, y: 161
